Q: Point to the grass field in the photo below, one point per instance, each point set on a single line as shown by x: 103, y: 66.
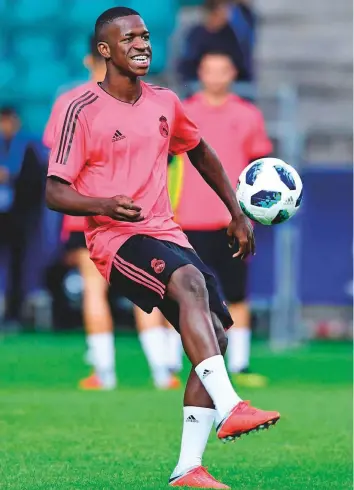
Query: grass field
x: 53, y: 436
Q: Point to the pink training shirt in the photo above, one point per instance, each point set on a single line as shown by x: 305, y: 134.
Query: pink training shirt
x: 237, y: 133
x: 106, y: 147
x: 70, y: 223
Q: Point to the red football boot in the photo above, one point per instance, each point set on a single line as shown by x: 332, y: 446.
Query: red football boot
x: 244, y: 419
x: 196, y: 478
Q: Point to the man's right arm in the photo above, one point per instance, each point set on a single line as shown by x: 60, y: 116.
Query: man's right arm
x: 67, y: 159
x: 61, y: 197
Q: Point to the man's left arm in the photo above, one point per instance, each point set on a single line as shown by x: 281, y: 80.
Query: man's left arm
x: 205, y: 160
x: 186, y: 138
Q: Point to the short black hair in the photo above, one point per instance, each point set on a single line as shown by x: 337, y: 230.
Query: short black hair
x: 93, y: 49
x: 218, y: 52
x: 211, y: 5
x: 8, y: 111
x: 109, y: 16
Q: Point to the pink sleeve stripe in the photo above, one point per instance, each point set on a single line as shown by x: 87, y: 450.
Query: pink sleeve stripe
x: 68, y: 130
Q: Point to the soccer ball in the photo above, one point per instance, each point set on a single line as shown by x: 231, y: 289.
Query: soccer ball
x: 269, y: 191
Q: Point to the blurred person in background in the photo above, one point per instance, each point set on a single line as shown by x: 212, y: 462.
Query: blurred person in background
x: 243, y: 20
x: 162, y: 347
x: 236, y: 130
x: 22, y: 180
x: 214, y: 34
x: 97, y: 315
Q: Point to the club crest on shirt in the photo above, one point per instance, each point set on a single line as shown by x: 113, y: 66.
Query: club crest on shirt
x: 158, y: 265
x: 164, y: 129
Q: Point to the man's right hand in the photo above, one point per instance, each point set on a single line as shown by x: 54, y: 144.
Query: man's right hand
x: 122, y: 208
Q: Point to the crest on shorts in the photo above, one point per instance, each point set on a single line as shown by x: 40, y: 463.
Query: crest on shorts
x: 158, y: 265
x: 164, y: 129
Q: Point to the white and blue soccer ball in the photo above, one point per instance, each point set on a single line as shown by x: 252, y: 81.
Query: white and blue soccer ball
x: 269, y: 191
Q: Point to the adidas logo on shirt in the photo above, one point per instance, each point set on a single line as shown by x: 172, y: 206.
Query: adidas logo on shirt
x: 117, y: 136
x: 206, y: 373
x: 191, y: 418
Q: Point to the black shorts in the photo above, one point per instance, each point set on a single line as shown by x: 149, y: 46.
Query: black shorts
x: 141, y: 271
x: 75, y: 241
x: 213, y: 249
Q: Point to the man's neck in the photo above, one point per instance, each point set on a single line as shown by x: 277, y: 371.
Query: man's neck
x: 215, y: 99
x: 122, y: 87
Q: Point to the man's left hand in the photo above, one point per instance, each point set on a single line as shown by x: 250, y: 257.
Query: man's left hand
x: 240, y: 228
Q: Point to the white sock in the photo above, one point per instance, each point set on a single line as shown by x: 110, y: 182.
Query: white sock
x: 153, y: 342
x: 217, y: 419
x: 102, y: 356
x: 175, y: 350
x: 238, y: 350
x: 197, y: 424
x: 212, y: 373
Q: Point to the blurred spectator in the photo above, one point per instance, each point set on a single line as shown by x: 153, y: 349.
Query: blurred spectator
x: 235, y: 129
x: 215, y: 34
x: 243, y: 21
x: 21, y: 192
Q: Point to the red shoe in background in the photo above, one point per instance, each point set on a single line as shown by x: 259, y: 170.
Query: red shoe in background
x: 92, y: 382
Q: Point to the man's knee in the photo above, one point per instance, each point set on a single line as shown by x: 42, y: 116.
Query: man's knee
x: 188, y: 280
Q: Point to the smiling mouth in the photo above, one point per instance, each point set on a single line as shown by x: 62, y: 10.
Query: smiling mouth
x: 141, y: 59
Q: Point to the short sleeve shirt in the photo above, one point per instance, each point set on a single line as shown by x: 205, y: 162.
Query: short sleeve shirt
x: 105, y: 147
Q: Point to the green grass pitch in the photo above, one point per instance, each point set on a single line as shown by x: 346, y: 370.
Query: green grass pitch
x: 52, y: 436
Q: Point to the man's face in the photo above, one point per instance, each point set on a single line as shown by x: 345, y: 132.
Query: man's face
x: 216, y: 73
x: 9, y: 125
x: 128, y: 45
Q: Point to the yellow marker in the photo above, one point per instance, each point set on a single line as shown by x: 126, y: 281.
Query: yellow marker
x: 175, y: 181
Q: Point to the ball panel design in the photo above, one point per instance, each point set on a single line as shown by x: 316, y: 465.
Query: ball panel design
x: 299, y: 200
x: 265, y: 199
x: 282, y: 216
x: 246, y: 212
x: 253, y: 172
x: 286, y: 177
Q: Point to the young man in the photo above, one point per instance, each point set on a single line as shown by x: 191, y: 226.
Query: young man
x: 109, y: 163
x: 161, y: 345
x: 235, y: 129
x: 98, y: 320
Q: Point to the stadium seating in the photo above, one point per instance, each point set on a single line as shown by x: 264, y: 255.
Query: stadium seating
x: 8, y: 74
x: 83, y: 13
x: 34, y: 115
x: 27, y: 12
x: 37, y: 82
x: 31, y: 47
